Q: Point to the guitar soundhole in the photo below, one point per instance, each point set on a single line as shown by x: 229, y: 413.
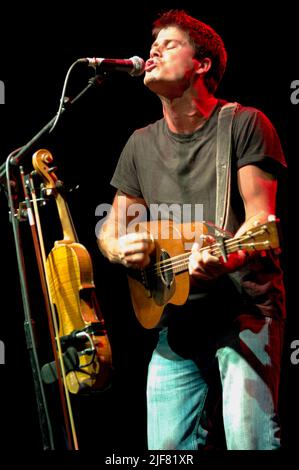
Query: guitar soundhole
x: 166, y: 269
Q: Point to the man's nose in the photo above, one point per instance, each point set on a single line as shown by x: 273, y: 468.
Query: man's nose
x: 155, y: 52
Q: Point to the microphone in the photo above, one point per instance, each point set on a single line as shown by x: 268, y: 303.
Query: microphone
x: 134, y: 66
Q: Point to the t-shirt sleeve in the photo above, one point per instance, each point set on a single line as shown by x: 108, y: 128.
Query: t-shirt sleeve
x: 125, y: 175
x: 257, y: 142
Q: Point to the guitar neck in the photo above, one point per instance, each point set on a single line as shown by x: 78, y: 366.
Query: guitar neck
x: 260, y: 238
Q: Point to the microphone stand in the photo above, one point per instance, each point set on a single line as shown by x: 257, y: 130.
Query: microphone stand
x: 15, y: 216
x: 96, y: 80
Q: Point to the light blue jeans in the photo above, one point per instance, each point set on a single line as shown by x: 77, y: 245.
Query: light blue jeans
x: 249, y: 367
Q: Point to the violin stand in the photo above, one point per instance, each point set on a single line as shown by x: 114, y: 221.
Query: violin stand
x: 15, y: 216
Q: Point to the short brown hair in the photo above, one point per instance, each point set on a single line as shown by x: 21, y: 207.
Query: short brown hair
x: 205, y: 41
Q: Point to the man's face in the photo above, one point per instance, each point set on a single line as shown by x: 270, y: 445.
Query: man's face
x: 171, y: 63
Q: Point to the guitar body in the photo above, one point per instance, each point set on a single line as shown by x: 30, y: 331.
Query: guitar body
x: 166, y: 279
x: 72, y: 289
x: 150, y: 293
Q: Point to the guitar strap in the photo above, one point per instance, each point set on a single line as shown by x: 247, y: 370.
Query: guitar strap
x: 223, y: 164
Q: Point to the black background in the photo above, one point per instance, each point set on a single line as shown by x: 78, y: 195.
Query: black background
x: 37, y: 50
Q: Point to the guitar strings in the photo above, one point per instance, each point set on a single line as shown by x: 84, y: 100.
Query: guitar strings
x: 174, y: 266
x: 182, y: 260
x: 229, y: 244
x: 184, y: 263
x: 169, y: 262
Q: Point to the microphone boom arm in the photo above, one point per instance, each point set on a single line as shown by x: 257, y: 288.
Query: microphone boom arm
x: 15, y: 160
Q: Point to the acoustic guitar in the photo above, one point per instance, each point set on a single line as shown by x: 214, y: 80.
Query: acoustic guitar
x: 166, y: 279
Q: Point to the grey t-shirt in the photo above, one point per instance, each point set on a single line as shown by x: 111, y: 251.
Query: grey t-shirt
x: 163, y: 167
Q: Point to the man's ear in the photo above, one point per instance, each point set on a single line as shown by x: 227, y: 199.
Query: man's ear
x: 203, y: 66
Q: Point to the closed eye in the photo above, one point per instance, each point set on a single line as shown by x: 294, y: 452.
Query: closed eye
x: 167, y: 44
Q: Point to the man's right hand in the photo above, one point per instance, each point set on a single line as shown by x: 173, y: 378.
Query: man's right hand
x: 134, y: 249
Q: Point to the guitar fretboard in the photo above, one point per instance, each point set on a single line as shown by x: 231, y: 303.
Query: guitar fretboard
x: 263, y: 237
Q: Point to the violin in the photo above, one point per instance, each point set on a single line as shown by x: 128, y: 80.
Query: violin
x: 72, y: 291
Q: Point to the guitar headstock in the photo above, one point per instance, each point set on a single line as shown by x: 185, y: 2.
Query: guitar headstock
x: 263, y: 236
